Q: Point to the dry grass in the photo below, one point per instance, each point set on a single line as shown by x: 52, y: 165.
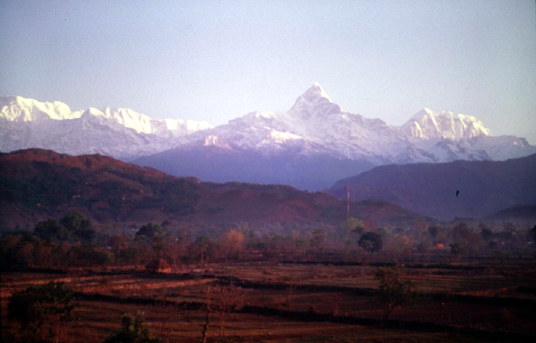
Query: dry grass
x: 97, y: 320
x: 100, y: 318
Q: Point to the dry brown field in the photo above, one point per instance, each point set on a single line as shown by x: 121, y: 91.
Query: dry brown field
x: 301, y: 303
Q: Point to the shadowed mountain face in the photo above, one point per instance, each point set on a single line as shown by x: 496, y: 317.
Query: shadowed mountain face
x: 36, y: 184
x: 216, y: 164
x: 484, y: 187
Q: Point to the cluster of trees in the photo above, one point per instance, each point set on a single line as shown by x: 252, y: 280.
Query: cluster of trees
x: 70, y: 242
x: 72, y: 228
x: 73, y: 240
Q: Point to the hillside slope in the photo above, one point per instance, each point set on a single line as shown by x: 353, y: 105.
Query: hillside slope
x: 37, y: 184
x: 485, y: 187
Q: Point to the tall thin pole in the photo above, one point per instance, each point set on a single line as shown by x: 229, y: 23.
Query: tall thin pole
x: 348, y: 203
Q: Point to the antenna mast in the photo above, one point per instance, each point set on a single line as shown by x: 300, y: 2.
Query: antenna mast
x: 348, y: 203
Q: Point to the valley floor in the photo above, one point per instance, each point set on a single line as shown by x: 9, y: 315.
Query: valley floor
x: 300, y: 303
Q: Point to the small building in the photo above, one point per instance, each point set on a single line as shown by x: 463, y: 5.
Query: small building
x: 158, y: 266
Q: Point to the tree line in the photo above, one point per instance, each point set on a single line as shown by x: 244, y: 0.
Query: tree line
x: 74, y: 241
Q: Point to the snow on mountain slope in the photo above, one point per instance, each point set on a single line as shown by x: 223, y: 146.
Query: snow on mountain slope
x: 121, y: 133
x: 500, y: 148
x: 428, y: 124
x: 315, y: 125
x: 144, y: 124
x: 17, y: 109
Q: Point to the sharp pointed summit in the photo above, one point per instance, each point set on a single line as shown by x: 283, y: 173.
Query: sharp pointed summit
x: 309, y: 146
x: 314, y: 102
x: 315, y: 93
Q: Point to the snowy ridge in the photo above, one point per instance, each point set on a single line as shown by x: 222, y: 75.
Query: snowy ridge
x: 428, y: 124
x: 17, y: 109
x: 121, y: 133
x: 314, y: 126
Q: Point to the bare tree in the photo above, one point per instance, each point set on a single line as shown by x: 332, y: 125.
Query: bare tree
x: 227, y: 299
x: 393, y: 292
x: 209, y: 310
x: 167, y: 312
x: 292, y: 284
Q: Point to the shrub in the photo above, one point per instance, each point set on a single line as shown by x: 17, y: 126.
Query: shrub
x: 42, y: 311
x: 392, y: 291
x: 133, y: 330
x: 371, y: 242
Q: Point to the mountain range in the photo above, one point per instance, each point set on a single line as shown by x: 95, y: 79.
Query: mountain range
x: 121, y: 133
x: 310, y: 146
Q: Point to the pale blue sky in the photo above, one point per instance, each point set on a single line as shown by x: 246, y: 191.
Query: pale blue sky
x: 218, y: 60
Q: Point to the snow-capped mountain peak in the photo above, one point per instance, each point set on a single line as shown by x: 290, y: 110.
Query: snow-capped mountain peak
x: 314, y: 127
x: 433, y: 125
x: 19, y: 109
x: 118, y: 132
x: 314, y: 102
x: 316, y: 93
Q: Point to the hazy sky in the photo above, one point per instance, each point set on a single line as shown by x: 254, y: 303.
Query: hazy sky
x: 218, y: 60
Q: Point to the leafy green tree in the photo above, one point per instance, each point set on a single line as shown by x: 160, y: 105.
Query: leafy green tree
x: 51, y: 230
x: 355, y: 225
x: 392, y: 291
x: 71, y: 227
x: 422, y: 248
x: 437, y: 234
x: 201, y: 245
x: 486, y: 233
x: 79, y: 226
x: 319, y: 237
x: 154, y: 234
x: 456, y: 249
x: 460, y: 230
x: 384, y: 232
x: 42, y: 311
x: 151, y: 231
x: 433, y: 231
x: 75, y: 221
x: 8, y: 246
x: 24, y: 252
x: 371, y: 242
x: 89, y: 255
x: 133, y: 330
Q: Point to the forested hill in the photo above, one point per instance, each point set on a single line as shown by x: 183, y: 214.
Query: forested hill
x: 43, y: 183
x: 37, y: 184
x: 448, y: 190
